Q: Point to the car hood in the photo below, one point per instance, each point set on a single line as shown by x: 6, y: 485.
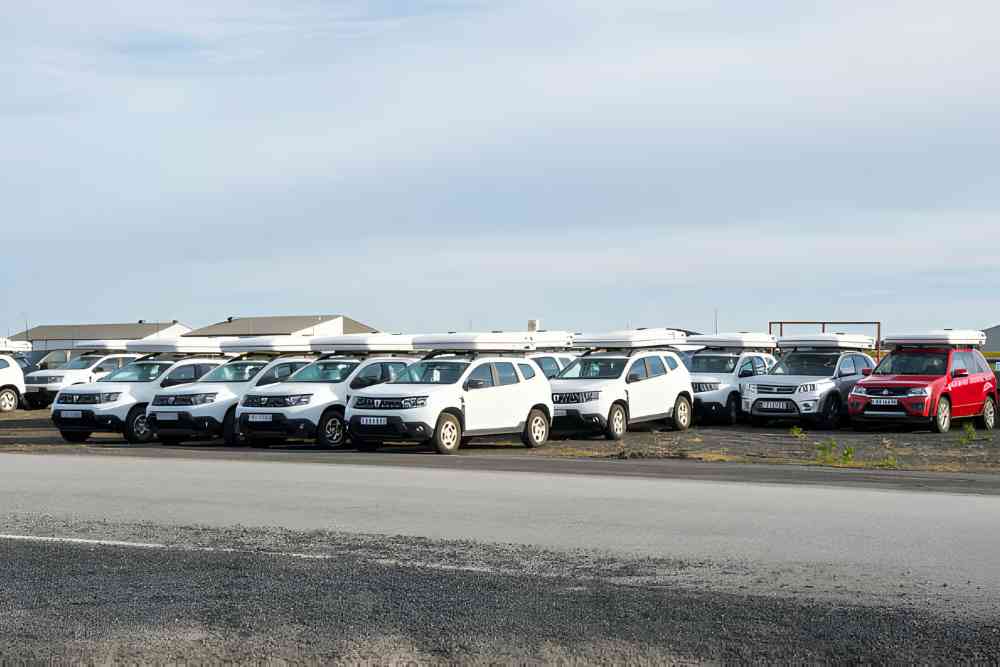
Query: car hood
x: 290, y: 388
x: 574, y: 386
x: 386, y: 390
x: 230, y: 388
x: 787, y: 380
x: 709, y: 378
x: 100, y: 388
x: 901, y: 380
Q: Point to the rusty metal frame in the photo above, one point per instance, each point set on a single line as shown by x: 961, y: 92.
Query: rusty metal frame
x: 823, y: 324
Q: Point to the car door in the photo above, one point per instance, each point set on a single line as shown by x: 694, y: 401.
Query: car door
x: 640, y: 394
x: 482, y: 410
x: 514, y: 402
x: 847, y: 376
x: 663, y: 387
x: 968, y: 389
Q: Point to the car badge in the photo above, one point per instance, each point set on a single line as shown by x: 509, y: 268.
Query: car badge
x: 377, y: 403
x: 170, y: 400
x: 885, y: 392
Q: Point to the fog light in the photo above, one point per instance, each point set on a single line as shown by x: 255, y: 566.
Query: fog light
x: 420, y: 429
x: 808, y: 406
x: 919, y: 407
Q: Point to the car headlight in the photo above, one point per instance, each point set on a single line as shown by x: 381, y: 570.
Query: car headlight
x: 202, y: 399
x: 806, y: 388
x: 414, y: 402
x: 587, y: 396
x: 918, y: 391
x: 110, y: 398
x: 749, y: 389
x: 298, y: 399
x: 859, y: 390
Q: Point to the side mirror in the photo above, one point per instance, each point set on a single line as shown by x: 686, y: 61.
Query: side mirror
x: 633, y: 377
x: 476, y: 383
x: 866, y: 371
x: 960, y: 373
x: 746, y: 373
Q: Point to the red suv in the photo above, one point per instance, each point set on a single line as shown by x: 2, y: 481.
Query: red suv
x: 928, y: 381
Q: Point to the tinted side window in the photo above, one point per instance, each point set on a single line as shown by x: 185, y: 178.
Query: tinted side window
x: 671, y: 362
x: 958, y: 360
x: 483, y: 373
x: 548, y: 366
x: 367, y: 376
x: 846, y: 366
x: 656, y: 367
x: 759, y: 367
x: 527, y: 371
x: 3, y: 364
x: 566, y: 361
x: 862, y: 362
x: 746, y: 368
x: 393, y: 369
x: 984, y: 366
x: 205, y: 369
x: 506, y: 373
x: 183, y: 373
x: 639, y: 369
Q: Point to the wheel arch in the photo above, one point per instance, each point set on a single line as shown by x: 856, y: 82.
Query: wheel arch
x: 544, y: 408
x: 456, y: 413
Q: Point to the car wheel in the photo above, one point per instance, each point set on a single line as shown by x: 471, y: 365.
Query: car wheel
x: 448, y: 434
x: 536, y: 429
x: 137, y: 429
x: 8, y: 400
x: 74, y: 436
x: 231, y: 429
x: 332, y: 431
x: 682, y: 414
x: 989, y: 417
x: 29, y: 402
x: 617, y: 423
x: 830, y: 418
x: 942, y: 419
x: 732, y: 415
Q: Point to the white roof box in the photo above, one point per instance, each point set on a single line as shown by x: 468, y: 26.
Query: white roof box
x: 8, y: 345
x: 741, y: 339
x: 177, y: 345
x: 288, y: 343
x: 631, y: 338
x: 831, y: 340
x: 552, y: 340
x: 969, y: 337
x: 493, y: 341
x: 102, y: 345
x: 364, y: 342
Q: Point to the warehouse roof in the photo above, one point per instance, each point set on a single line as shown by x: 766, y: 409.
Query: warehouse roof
x: 283, y: 325
x: 73, y: 332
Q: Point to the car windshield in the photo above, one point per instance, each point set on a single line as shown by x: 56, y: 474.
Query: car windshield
x: 913, y: 363
x: 594, y: 368
x: 143, y: 371
x: 431, y: 372
x: 330, y: 370
x: 237, y: 371
x: 713, y: 363
x: 820, y: 364
x: 81, y: 363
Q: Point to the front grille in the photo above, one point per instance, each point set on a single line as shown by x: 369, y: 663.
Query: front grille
x: 172, y: 400
x: 572, y: 397
x: 703, y: 387
x: 368, y: 403
x: 887, y: 391
x: 79, y: 399
x: 38, y: 379
x: 252, y: 401
x: 774, y: 389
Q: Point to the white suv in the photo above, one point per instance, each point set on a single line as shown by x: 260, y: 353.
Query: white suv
x: 11, y: 383
x: 207, y: 408
x: 471, y: 384
x: 718, y: 369
x: 117, y: 404
x: 91, y: 366
x: 627, y: 377
x: 311, y: 404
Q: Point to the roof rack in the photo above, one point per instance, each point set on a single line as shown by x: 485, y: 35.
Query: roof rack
x: 938, y: 338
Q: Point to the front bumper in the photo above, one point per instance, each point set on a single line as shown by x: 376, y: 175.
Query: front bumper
x: 43, y: 393
x: 279, y: 425
x: 395, y: 428
x: 89, y: 421
x: 576, y: 419
x: 906, y: 409
x: 185, y: 424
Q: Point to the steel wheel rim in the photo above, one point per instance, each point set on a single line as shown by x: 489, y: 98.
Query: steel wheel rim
x: 538, y: 429
x: 944, y: 414
x: 682, y: 412
x: 334, y: 430
x: 989, y: 413
x: 618, y: 421
x: 140, y: 427
x: 449, y: 434
x: 7, y: 401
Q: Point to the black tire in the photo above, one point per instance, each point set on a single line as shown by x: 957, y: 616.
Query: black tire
x: 731, y: 416
x: 758, y: 422
x: 137, y: 431
x: 74, y: 436
x: 942, y: 416
x: 988, y: 420
x: 29, y: 402
x: 366, y: 445
x: 617, y: 422
x: 332, y: 431
x: 536, y: 429
x: 9, y: 400
x: 829, y: 419
x: 231, y: 429
x: 447, y: 434
x: 681, y: 419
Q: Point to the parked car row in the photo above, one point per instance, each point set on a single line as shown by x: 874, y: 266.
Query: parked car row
x: 446, y: 389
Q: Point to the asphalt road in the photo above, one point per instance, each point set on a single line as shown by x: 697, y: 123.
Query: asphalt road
x: 237, y: 559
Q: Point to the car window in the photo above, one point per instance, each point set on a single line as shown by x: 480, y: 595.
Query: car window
x: 970, y: 361
x: 527, y: 371
x: 506, y: 373
x: 656, y: 367
x: 746, y: 368
x: 846, y: 366
x: 566, y: 361
x: 984, y: 366
x: 548, y: 366
x: 183, y: 373
x: 759, y: 366
x: 638, y: 369
x: 958, y: 362
x: 108, y: 365
x: 367, y: 376
x: 393, y: 369
x: 484, y: 374
x: 671, y: 362
x: 4, y: 364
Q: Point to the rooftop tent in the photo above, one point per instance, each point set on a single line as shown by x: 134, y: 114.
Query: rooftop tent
x: 8, y: 345
x: 177, y: 345
x: 836, y: 341
x: 631, y: 339
x: 552, y: 340
x: 364, y: 342
x: 472, y: 341
x: 101, y: 345
x: 284, y: 325
x: 947, y: 337
x: 739, y: 340
x: 268, y: 344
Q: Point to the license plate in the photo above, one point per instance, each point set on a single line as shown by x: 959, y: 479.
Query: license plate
x: 166, y: 416
x: 259, y: 418
x: 772, y: 405
x: 374, y: 421
x: 560, y: 413
x: 30, y: 389
x: 884, y: 401
x: 70, y: 414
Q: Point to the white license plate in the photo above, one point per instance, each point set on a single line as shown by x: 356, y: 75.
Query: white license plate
x: 30, y: 389
x: 560, y: 413
x: 259, y: 418
x: 70, y: 414
x: 374, y: 421
x: 772, y: 405
x: 884, y: 401
x: 166, y: 416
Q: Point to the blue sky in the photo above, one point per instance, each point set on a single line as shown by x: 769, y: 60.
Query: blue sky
x: 438, y: 165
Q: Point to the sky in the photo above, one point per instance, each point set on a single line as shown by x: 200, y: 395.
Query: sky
x: 449, y: 164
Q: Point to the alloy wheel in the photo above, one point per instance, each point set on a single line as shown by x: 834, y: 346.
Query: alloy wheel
x: 8, y: 401
x: 538, y: 429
